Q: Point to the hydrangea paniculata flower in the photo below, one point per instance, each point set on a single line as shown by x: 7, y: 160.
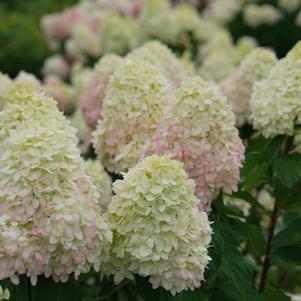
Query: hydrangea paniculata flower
x: 135, y: 98
x: 162, y: 57
x: 50, y: 223
x: 4, y: 293
x: 238, y: 87
x: 56, y: 65
x: 256, y: 15
x: 118, y: 34
x: 275, y: 102
x: 198, y: 130
x: 61, y: 92
x: 158, y: 231
x: 101, y: 181
x: 94, y: 92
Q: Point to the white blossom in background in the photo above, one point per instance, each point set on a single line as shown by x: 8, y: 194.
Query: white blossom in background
x: 86, y: 40
x: 275, y: 102
x: 238, y: 87
x: 223, y: 11
x: 56, y: 65
x: 158, y: 231
x: 256, y: 15
x: 298, y: 19
x: 50, y: 223
x: 118, y: 34
x: 289, y: 5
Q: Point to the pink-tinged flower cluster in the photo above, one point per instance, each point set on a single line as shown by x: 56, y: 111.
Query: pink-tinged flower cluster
x: 94, y: 91
x: 198, y: 130
x: 50, y: 220
x: 135, y: 98
x: 88, y: 14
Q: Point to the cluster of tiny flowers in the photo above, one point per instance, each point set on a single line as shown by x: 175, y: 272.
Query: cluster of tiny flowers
x: 158, y: 19
x: 92, y: 97
x: 50, y: 223
x: 101, y: 181
x: 4, y: 294
x: 5, y: 83
x: 256, y: 15
x: 118, y: 34
x: 162, y: 57
x: 220, y: 57
x: 198, y: 130
x: 238, y: 87
x: 56, y: 65
x: 275, y: 102
x: 135, y: 98
x: 158, y: 231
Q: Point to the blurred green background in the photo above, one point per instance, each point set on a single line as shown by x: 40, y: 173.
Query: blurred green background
x: 22, y: 44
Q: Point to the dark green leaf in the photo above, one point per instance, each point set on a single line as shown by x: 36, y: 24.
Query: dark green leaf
x: 288, y: 169
x: 289, y: 254
x: 291, y: 236
x: 276, y: 295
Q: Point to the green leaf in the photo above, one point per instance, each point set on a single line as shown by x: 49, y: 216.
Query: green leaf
x: 288, y: 169
x: 276, y: 295
x: 289, y: 254
x: 196, y: 295
x: 291, y: 236
x: 256, y: 177
x: 144, y: 288
x: 48, y: 290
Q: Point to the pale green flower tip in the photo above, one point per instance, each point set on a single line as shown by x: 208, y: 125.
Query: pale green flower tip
x: 108, y: 64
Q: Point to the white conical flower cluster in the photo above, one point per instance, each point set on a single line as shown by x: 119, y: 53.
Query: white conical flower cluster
x: 135, y: 98
x: 158, y: 231
x: 275, y: 102
x: 50, y: 221
x: 238, y: 87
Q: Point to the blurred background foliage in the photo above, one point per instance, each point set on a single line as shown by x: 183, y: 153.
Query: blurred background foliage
x: 24, y: 47
x: 22, y: 43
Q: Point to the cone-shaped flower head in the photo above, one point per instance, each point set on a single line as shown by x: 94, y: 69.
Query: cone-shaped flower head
x: 157, y: 229
x: 133, y: 105
x: 154, y: 20
x: 238, y: 87
x: 162, y: 57
x: 101, y: 181
x: 94, y: 91
x: 50, y: 221
x: 118, y: 34
x: 198, y: 129
x: 5, y: 83
x: 275, y: 102
x: 218, y: 57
